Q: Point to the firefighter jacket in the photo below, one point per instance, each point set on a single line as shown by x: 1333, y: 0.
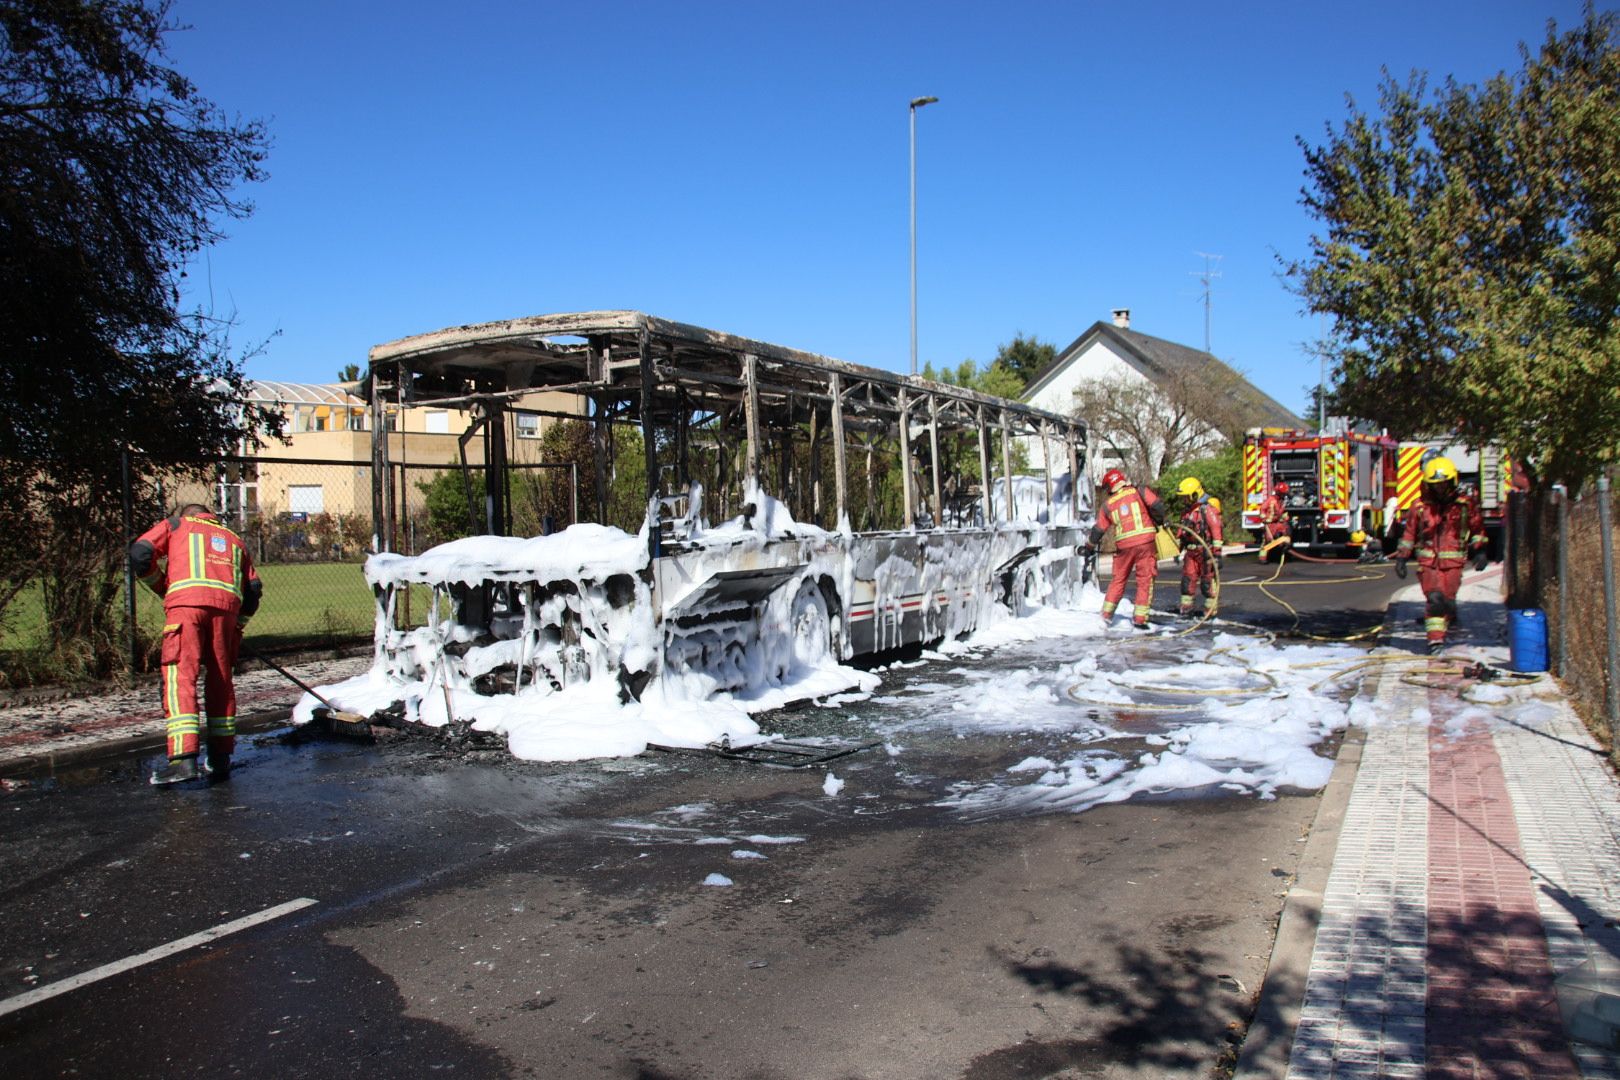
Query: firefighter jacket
x: 1441, y: 534
x: 1204, y: 521
x: 196, y: 562
x: 1134, y: 516
x: 1272, y: 510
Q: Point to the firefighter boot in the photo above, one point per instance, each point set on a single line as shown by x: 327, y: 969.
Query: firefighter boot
x: 177, y: 771
x: 1436, y: 648
x: 219, y: 764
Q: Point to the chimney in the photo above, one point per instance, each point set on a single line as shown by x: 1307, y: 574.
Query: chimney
x: 1122, y: 317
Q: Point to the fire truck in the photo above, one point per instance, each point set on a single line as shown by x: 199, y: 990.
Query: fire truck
x: 1336, y: 482
x: 1345, y: 487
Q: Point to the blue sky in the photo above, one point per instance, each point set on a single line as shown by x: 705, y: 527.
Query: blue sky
x: 745, y: 166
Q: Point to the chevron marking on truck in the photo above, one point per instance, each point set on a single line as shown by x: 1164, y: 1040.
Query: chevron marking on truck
x: 1251, y: 473
x: 1409, y: 474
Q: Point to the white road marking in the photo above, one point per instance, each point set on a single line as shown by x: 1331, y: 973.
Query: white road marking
x: 1238, y: 580
x: 44, y: 993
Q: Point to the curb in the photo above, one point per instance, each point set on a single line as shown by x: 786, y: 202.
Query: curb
x: 1270, y: 1038
x: 47, y: 763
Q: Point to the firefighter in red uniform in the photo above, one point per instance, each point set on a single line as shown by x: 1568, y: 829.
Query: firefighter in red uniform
x: 1444, y: 531
x: 209, y: 588
x: 1200, y: 536
x: 1274, y: 518
x: 1135, y: 517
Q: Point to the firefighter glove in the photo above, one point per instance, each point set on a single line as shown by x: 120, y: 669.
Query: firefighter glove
x: 1481, y: 557
x: 1220, y: 558
x: 1087, y: 551
x: 1400, y: 569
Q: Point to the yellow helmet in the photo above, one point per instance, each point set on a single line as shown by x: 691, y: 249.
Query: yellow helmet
x: 1191, y: 488
x: 1358, y: 538
x: 1439, y: 470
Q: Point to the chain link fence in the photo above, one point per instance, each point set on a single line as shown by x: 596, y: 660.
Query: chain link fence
x: 1555, y: 562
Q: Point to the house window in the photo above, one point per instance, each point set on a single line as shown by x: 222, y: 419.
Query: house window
x: 357, y: 419
x: 528, y: 425
x: 305, y: 499
x: 436, y: 422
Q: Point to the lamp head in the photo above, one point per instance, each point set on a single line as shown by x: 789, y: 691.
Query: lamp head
x: 919, y: 102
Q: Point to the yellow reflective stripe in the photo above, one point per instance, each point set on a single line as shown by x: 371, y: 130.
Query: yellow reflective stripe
x: 198, y: 565
x: 225, y: 725
x: 171, y: 690
x: 204, y: 583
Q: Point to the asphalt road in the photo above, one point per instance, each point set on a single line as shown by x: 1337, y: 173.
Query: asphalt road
x: 478, y: 916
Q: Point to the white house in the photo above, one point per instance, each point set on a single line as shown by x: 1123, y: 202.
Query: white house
x: 1110, y: 350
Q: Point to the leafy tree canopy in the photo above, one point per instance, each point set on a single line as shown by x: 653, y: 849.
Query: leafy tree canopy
x: 1469, y: 253
x: 1024, y: 357
x: 114, y: 171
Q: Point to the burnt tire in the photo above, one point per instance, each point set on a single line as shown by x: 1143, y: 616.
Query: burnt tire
x: 810, y: 626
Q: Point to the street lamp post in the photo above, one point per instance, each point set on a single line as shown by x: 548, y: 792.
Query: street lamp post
x: 916, y: 103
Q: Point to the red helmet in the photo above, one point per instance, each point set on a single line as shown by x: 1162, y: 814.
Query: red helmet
x: 1282, y: 487
x: 1112, y: 479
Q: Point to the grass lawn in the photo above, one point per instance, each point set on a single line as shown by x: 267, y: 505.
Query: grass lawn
x: 313, y: 603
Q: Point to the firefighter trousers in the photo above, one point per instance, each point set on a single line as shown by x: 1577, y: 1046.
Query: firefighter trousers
x: 1440, y: 599
x: 1198, y: 575
x: 199, y: 640
x: 1142, y: 562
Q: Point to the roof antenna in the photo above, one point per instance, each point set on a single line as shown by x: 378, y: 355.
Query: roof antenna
x: 1206, y: 278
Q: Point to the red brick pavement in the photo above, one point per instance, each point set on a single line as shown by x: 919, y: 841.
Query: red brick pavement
x: 1492, y: 1012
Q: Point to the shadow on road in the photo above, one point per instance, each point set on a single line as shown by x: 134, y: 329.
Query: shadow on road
x: 1167, y: 1010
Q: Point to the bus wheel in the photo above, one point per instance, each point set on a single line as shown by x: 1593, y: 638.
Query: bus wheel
x: 811, y: 626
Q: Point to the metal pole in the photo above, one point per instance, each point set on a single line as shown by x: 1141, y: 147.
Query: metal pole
x: 1561, y: 493
x: 1613, y: 672
x: 916, y: 103
x: 129, y: 568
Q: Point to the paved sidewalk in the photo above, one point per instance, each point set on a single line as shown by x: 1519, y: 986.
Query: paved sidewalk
x: 40, y: 732
x: 1478, y: 860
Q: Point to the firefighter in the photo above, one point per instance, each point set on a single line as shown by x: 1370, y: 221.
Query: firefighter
x: 1135, y: 517
x: 1200, y: 536
x: 1444, y: 530
x: 209, y: 589
x: 1274, y: 519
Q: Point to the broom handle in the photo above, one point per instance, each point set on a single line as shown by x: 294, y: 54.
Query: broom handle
x: 300, y: 683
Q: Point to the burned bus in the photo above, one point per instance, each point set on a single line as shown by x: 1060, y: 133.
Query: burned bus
x: 797, y: 508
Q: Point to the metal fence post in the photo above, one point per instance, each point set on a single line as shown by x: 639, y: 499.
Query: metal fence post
x: 129, y: 568
x: 1613, y: 696
x: 1561, y: 493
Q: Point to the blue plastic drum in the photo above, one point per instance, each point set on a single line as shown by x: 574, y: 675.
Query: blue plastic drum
x: 1527, y: 639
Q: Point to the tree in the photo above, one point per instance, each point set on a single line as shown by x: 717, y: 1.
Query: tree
x: 113, y: 173
x: 1222, y: 477
x: 959, y: 451
x: 1152, y: 427
x: 1024, y: 357
x: 349, y: 373
x: 1470, y: 255
x: 1320, y: 401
